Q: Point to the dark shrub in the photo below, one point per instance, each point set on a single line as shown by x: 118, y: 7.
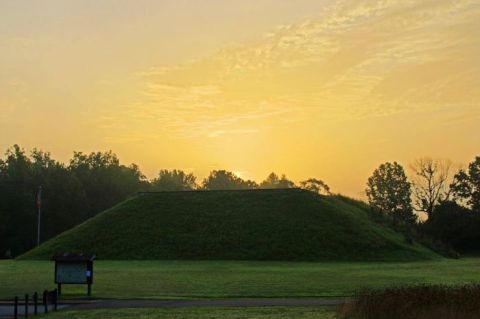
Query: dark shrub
x: 415, y: 302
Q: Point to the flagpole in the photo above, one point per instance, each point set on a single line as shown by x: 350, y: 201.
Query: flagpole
x: 38, y: 202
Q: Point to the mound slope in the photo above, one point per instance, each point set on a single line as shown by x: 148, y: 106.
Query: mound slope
x: 236, y: 225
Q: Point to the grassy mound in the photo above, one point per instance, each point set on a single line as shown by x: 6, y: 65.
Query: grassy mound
x: 234, y: 225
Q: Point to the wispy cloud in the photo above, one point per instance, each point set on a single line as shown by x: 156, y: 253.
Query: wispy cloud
x: 217, y: 133
x: 358, y: 59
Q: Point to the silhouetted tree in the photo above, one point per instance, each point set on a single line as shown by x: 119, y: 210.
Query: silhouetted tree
x: 16, y: 204
x: 455, y: 225
x: 70, y: 194
x: 174, y: 180
x: 389, y: 192
x: 430, y: 183
x: 466, y: 185
x: 224, y: 180
x: 104, y: 180
x: 315, y: 185
x: 64, y: 201
x: 273, y: 181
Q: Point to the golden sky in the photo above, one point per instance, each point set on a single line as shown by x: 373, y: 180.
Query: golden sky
x: 310, y: 88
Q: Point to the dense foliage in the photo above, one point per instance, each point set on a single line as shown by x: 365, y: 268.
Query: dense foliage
x: 71, y: 193
x: 453, y: 210
x: 389, y: 192
x: 455, y: 225
x: 466, y: 185
x: 174, y: 180
x: 273, y: 181
x: 457, y: 222
x: 222, y: 179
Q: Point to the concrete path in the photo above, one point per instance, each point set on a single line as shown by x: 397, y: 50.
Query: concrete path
x: 244, y: 302
x: 6, y: 310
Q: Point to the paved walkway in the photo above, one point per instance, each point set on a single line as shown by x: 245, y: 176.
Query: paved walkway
x: 6, y: 310
x: 244, y: 302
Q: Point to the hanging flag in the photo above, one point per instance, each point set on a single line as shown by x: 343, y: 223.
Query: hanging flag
x: 38, y: 197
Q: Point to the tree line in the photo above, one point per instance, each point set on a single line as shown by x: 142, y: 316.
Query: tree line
x: 450, y: 200
x: 87, y: 185
x: 178, y: 180
x: 91, y: 183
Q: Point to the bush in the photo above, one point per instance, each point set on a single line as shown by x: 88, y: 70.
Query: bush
x: 415, y: 302
x: 456, y: 225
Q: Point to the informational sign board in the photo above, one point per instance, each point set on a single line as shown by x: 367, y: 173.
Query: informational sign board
x: 72, y: 273
x: 72, y: 268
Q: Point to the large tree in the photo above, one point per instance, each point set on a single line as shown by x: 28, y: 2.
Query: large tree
x: 389, y: 191
x: 431, y: 179
x: 466, y: 185
x: 174, y: 180
x: 224, y: 180
x: 273, y: 181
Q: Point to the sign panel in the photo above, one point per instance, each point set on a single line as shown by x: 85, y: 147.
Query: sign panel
x: 72, y: 273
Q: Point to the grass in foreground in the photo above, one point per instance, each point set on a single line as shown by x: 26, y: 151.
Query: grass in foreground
x: 282, y: 224
x: 202, y: 313
x: 223, y: 279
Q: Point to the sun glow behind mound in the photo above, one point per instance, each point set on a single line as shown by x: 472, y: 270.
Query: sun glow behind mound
x: 326, y: 89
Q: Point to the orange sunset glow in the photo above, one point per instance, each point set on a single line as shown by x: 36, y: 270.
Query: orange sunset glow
x: 309, y: 88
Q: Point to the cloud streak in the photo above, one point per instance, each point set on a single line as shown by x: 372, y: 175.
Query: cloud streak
x: 357, y: 59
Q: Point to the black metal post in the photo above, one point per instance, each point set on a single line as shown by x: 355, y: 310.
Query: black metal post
x: 89, y: 291
x: 59, y: 289
x: 55, y: 299
x: 35, y: 303
x: 26, y: 305
x: 15, y: 308
x: 45, y: 302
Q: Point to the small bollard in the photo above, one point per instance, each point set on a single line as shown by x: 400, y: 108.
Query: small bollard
x: 35, y: 303
x: 15, y: 308
x: 45, y: 302
x: 26, y: 305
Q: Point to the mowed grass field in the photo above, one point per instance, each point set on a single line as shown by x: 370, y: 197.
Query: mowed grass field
x: 203, y: 313
x: 226, y: 279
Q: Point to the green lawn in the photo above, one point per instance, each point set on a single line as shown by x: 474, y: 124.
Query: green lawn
x: 209, y: 279
x: 202, y: 313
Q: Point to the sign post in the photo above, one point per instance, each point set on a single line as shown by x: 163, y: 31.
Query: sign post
x: 38, y: 203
